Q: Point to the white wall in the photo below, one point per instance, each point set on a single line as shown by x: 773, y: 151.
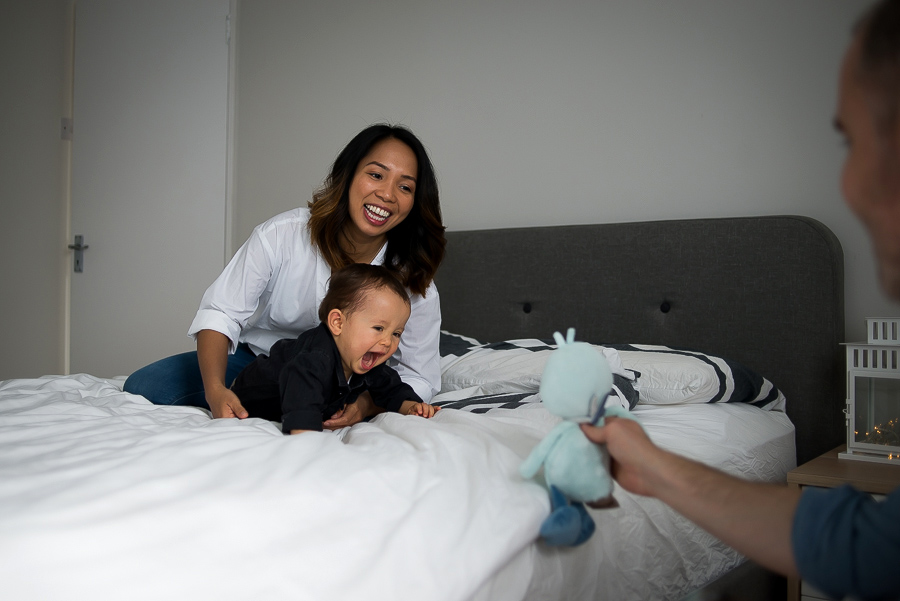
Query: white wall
x: 33, y: 36
x: 575, y: 111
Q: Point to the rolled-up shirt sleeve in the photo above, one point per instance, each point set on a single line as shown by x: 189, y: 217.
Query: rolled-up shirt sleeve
x: 417, y: 359
x: 233, y: 297
x: 847, y: 544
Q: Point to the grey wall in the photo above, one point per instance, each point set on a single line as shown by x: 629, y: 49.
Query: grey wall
x: 574, y: 111
x: 33, y: 38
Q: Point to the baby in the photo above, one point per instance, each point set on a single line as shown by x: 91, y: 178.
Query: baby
x: 307, y: 379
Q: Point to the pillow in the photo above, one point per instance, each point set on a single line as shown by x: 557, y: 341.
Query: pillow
x: 515, y: 366
x: 453, y: 346
x: 670, y: 376
x: 474, y: 402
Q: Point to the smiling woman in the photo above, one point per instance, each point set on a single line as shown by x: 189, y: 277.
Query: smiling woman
x: 380, y: 205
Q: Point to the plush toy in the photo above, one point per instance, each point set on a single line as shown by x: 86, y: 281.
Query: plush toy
x: 574, y: 386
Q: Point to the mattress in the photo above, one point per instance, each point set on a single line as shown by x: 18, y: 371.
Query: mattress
x: 104, y: 495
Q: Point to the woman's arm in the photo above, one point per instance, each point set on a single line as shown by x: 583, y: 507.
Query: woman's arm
x: 212, y: 353
x: 418, y: 356
x: 754, y: 518
x: 234, y: 295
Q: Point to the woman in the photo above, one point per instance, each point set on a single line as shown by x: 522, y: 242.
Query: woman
x: 378, y: 205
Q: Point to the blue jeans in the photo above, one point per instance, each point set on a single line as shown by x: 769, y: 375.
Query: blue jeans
x: 176, y: 380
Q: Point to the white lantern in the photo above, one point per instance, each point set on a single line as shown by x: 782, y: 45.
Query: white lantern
x: 873, y: 394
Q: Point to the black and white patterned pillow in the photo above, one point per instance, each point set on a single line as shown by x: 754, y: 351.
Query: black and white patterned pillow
x: 672, y: 376
x: 456, y: 345
x: 509, y: 371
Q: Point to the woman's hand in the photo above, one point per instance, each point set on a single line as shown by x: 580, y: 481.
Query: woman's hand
x: 224, y: 403
x: 353, y: 413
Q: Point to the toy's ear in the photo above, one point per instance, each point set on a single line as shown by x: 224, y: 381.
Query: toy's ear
x: 559, y: 339
x: 335, y: 322
x: 570, y: 335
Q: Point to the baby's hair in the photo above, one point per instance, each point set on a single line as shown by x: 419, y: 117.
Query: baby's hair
x: 348, y: 288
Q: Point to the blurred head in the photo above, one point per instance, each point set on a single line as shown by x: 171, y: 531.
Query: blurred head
x: 878, y: 63
x: 867, y: 116
x: 365, y: 309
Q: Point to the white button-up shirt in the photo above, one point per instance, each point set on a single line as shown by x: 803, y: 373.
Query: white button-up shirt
x: 272, y: 287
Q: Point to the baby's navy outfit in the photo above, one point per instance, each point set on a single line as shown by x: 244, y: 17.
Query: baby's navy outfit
x: 301, y: 383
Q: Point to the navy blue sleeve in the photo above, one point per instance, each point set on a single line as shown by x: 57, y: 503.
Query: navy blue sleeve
x: 388, y: 390
x: 847, y: 544
x: 304, y: 387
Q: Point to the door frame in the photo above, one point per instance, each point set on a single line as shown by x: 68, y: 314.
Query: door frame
x: 65, y: 353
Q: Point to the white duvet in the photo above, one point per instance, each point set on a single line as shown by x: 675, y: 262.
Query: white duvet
x: 106, y: 496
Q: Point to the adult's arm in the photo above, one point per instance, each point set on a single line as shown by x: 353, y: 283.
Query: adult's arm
x: 418, y: 359
x: 212, y: 354
x: 224, y: 310
x: 847, y: 544
x: 754, y: 518
x: 233, y: 297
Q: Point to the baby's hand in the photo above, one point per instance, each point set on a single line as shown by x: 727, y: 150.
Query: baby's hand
x: 423, y: 410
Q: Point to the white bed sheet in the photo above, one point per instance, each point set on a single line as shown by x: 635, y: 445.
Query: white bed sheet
x: 644, y: 550
x: 106, y: 496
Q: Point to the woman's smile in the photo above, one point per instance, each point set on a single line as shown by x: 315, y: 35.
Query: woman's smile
x: 375, y: 214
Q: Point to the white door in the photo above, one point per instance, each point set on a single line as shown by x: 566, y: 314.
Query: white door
x: 148, y: 175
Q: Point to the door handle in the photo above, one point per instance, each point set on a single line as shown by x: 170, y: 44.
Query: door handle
x: 79, y: 247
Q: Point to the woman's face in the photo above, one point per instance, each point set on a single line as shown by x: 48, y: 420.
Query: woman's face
x: 382, y: 190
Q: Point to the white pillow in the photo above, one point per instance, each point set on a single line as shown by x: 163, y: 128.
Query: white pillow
x: 670, y: 376
x: 670, y: 379
x: 512, y: 365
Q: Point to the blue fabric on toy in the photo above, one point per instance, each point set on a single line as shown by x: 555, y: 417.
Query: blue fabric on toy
x: 568, y: 524
x: 574, y: 386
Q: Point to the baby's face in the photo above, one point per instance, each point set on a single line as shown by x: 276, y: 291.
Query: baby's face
x: 371, y: 334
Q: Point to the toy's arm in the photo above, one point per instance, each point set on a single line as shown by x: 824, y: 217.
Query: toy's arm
x: 534, y: 461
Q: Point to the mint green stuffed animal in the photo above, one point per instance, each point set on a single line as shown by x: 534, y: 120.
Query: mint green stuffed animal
x: 574, y: 386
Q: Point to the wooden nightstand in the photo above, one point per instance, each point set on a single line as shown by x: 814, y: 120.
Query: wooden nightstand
x: 829, y: 471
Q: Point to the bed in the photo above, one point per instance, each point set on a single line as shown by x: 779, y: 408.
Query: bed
x: 723, y: 335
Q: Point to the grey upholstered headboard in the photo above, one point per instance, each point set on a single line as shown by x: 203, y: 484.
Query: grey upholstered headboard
x: 764, y: 291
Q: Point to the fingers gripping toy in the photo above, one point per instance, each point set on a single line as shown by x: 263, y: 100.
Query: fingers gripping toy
x: 575, y: 384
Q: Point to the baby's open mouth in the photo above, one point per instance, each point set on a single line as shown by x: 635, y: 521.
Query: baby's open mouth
x: 369, y: 360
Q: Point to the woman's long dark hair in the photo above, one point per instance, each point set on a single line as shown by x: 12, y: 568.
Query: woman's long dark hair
x: 416, y: 245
